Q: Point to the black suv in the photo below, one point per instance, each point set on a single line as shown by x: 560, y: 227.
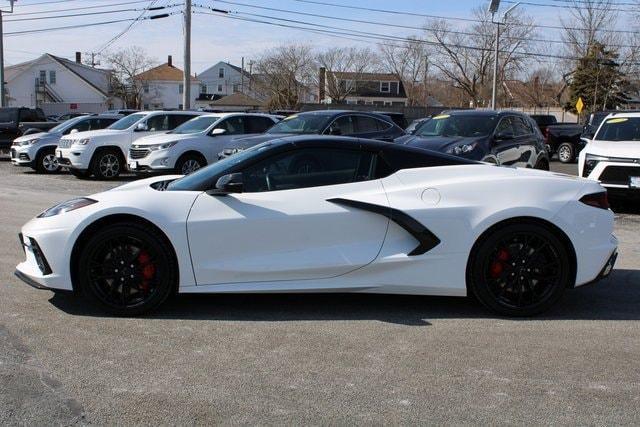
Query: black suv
x: 324, y: 122
x: 500, y: 137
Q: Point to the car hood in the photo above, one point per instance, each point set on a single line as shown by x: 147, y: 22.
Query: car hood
x: 614, y: 148
x: 39, y: 135
x: 436, y: 143
x: 140, y: 184
x: 94, y: 133
x: 165, y: 137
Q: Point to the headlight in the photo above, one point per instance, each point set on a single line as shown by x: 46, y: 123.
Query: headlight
x: 462, y: 149
x: 83, y: 141
x: 68, y: 206
x: 164, y: 146
x: 28, y: 142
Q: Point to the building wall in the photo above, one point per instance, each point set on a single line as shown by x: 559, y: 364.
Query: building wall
x: 225, y: 85
x: 69, y: 87
x: 166, y: 94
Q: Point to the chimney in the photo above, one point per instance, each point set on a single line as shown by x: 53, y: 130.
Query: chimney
x: 170, y: 61
x: 79, y: 57
x: 322, y: 79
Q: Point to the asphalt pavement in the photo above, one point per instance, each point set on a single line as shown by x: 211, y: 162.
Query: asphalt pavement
x: 312, y: 359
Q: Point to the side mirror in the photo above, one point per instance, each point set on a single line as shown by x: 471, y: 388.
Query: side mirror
x: 74, y: 131
x: 217, y: 132
x: 142, y: 127
x: 335, y: 131
x: 230, y: 183
x: 503, y: 136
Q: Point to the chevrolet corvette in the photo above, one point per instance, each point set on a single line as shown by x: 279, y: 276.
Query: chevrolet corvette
x: 328, y: 214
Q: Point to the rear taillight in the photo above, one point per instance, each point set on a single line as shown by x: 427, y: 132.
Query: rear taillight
x: 597, y: 200
x: 546, y: 134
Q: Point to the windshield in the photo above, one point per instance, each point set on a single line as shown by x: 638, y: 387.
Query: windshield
x: 64, y: 125
x: 619, y: 129
x: 199, y: 124
x: 303, y: 123
x: 127, y: 122
x: 201, y: 179
x: 465, y: 126
x: 8, y: 115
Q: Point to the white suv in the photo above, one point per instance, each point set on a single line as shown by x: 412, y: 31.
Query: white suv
x: 103, y: 152
x: 613, y: 155
x: 195, y: 143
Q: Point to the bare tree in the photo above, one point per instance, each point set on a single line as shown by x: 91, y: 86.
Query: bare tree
x: 540, y: 88
x: 285, y: 74
x: 466, y: 57
x: 588, y: 24
x: 343, y: 65
x: 408, y: 62
x: 127, y: 65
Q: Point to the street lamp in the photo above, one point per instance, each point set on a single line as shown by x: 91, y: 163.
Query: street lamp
x: 493, y: 9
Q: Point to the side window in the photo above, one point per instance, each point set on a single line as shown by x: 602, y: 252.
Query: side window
x: 27, y: 115
x: 158, y: 123
x: 82, y: 126
x: 233, y: 125
x: 258, y: 124
x: 505, y: 126
x: 94, y: 124
x: 312, y: 167
x: 176, y: 120
x: 366, y: 124
x: 343, y: 126
x: 382, y: 125
x: 521, y: 127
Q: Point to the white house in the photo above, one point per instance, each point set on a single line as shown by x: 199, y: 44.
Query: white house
x: 162, y: 87
x: 59, y: 85
x: 225, y: 79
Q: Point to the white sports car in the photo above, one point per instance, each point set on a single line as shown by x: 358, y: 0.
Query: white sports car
x: 320, y: 214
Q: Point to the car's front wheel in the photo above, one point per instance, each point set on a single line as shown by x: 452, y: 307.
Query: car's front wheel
x: 107, y: 164
x: 189, y: 163
x: 46, y: 161
x: 519, y: 270
x: 127, y: 269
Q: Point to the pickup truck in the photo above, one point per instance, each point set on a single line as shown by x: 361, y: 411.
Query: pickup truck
x: 18, y: 121
x: 560, y: 138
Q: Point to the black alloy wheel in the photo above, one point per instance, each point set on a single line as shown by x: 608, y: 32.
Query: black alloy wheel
x: 127, y: 269
x: 520, y: 270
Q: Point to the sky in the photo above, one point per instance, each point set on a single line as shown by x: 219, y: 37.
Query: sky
x: 216, y: 38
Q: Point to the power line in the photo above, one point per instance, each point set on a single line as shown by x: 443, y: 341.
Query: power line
x: 47, y: 2
x: 123, y: 32
x: 569, y: 6
x: 386, y: 24
x: 72, y: 15
x: 68, y: 27
x: 40, y: 12
x: 451, y: 18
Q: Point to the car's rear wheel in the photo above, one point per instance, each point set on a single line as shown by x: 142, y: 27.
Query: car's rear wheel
x: 566, y: 152
x: 519, y: 270
x: 107, y: 164
x: 542, y: 164
x: 190, y: 163
x: 127, y: 269
x: 46, y: 161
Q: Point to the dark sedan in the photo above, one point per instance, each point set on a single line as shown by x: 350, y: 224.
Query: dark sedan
x: 500, y: 137
x: 325, y: 122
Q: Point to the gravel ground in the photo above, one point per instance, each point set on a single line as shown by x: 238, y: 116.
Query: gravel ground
x: 312, y: 359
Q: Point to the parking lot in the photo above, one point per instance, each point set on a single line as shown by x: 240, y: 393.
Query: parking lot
x: 312, y: 359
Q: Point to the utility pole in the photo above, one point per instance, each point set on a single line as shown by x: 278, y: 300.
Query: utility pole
x: 493, y: 9
x: 2, y: 91
x: 186, y: 80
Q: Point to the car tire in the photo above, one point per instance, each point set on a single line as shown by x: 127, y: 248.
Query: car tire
x: 566, y: 152
x: 542, y: 164
x: 190, y: 163
x: 127, y: 269
x: 46, y: 161
x: 107, y: 164
x: 519, y: 270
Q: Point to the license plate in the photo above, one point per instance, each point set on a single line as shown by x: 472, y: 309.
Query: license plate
x: 634, y: 182
x: 133, y: 165
x: 59, y: 153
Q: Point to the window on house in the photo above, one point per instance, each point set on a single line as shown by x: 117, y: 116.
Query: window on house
x: 180, y: 88
x: 52, y: 77
x: 145, y: 87
x: 384, y: 87
x: 393, y: 87
x: 145, y: 106
x: 219, y: 88
x: 221, y: 73
x: 203, y: 88
x: 43, y: 77
x: 236, y: 88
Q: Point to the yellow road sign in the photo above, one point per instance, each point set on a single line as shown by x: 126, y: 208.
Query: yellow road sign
x: 579, y: 105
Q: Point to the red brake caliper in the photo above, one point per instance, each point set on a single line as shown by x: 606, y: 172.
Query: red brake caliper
x: 148, y: 269
x: 497, y: 266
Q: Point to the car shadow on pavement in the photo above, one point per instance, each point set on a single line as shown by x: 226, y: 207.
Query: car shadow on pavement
x: 614, y: 298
